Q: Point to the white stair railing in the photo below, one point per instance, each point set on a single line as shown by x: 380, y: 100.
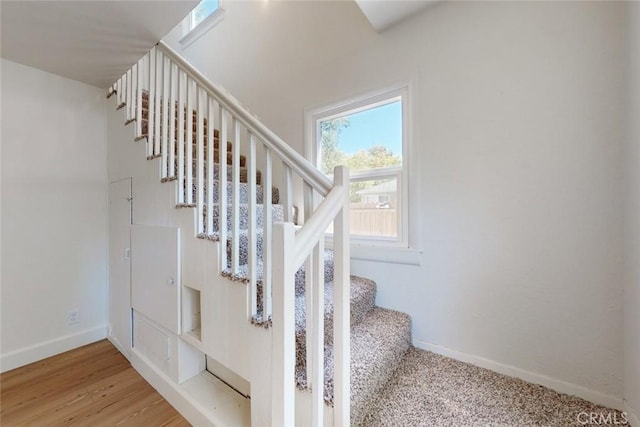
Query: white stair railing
x: 179, y: 100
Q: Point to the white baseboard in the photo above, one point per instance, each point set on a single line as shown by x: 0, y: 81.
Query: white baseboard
x: 203, y: 400
x: 172, y: 392
x: 532, y: 377
x: 33, y: 353
x: 125, y: 352
x: 633, y: 416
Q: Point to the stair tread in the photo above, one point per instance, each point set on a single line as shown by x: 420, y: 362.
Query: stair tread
x: 361, y: 301
x: 242, y: 275
x: 244, y: 172
x: 362, y: 298
x: 378, y: 344
x: 244, y: 192
x: 277, y: 214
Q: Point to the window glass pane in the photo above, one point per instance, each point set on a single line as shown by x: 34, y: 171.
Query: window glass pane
x: 364, y: 140
x: 202, y: 10
x: 374, y: 207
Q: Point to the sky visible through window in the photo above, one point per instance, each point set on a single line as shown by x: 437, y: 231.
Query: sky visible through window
x: 204, y: 9
x: 377, y: 126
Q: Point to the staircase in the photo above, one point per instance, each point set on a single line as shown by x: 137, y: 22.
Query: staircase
x: 319, y: 318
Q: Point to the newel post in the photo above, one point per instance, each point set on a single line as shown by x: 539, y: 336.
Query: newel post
x: 341, y: 303
x: 283, y: 357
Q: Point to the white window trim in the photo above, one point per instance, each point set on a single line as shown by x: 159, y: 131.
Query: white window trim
x: 369, y: 248
x: 190, y: 35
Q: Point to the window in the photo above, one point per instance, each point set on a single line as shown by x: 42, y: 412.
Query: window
x: 369, y: 136
x: 202, y: 11
x: 200, y: 20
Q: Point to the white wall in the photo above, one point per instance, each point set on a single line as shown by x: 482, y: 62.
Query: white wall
x: 516, y: 187
x: 54, y: 213
x: 632, y: 290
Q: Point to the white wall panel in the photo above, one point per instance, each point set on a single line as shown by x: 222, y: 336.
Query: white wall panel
x: 155, y: 274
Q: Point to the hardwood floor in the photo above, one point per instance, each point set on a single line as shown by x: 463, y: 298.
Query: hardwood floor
x: 93, y: 385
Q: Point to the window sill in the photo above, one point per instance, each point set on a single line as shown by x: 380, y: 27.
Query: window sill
x: 202, y: 28
x: 387, y: 254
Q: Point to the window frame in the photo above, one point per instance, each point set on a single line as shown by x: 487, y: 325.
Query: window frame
x: 191, y: 33
x: 353, y: 105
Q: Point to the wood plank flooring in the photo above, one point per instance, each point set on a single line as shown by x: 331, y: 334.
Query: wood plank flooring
x: 93, y: 385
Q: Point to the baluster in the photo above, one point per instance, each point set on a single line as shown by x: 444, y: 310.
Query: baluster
x: 172, y: 118
x: 284, y: 325
x: 287, y: 193
x: 152, y: 99
x: 251, y: 226
x: 266, y: 240
x: 159, y: 102
x: 181, y: 144
x: 308, y: 288
x: 119, y: 92
x: 235, y: 188
x: 318, y: 335
x: 132, y: 97
x: 189, y: 143
x: 129, y: 93
x: 124, y: 95
x: 222, y: 188
x: 341, y: 301
x: 134, y: 85
x: 210, y: 164
x: 139, y: 98
x: 165, y: 118
x: 200, y: 100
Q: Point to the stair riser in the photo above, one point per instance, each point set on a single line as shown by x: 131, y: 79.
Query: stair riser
x: 216, y: 156
x: 277, y: 214
x: 145, y: 132
x: 194, y: 152
x: 378, y: 344
x: 194, y: 126
x: 374, y: 374
x: 243, y: 252
x: 243, y: 174
x: 244, y: 193
x: 145, y: 114
x: 363, y: 295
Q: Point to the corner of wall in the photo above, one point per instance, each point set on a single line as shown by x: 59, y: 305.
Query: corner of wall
x: 631, y: 375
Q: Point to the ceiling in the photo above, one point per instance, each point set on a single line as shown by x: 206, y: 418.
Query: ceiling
x: 91, y: 41
x: 382, y: 14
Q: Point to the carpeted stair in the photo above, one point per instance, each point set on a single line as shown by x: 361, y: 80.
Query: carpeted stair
x: 380, y: 338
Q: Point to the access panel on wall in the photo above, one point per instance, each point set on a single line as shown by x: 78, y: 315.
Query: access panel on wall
x: 155, y: 274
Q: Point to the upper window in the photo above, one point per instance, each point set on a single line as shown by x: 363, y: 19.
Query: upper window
x: 368, y: 135
x: 200, y: 20
x: 202, y: 11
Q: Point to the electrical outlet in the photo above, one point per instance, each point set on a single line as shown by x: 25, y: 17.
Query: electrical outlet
x: 73, y: 316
